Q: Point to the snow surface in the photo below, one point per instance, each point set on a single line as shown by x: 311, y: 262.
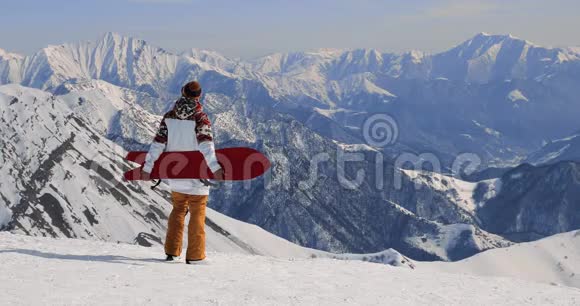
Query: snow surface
x: 479, y: 69
x: 557, y: 150
x: 6, y: 56
x: 516, y: 176
x: 5, y: 216
x: 487, y: 130
x: 567, y: 138
x: 456, y: 190
x: 114, y: 111
x: 493, y: 188
x: 67, y: 271
x: 554, y: 259
x: 245, y: 238
x: 516, y: 95
x: 357, y: 147
x: 552, y: 155
x: 359, y: 83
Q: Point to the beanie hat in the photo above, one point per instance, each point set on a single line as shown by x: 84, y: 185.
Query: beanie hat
x: 191, y: 90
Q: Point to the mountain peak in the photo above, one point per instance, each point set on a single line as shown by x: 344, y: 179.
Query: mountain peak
x: 486, y: 38
x: 114, y: 38
x: 489, y: 44
x: 486, y: 34
x: 5, y: 55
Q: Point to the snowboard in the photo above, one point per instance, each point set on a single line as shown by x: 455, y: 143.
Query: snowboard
x: 238, y: 164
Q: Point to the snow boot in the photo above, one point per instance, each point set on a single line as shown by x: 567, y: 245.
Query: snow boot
x: 196, y: 261
x: 170, y: 258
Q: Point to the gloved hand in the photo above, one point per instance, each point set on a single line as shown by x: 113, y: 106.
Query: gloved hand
x: 219, y: 175
x: 146, y: 176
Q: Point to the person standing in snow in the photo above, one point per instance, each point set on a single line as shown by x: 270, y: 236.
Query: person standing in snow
x: 186, y: 128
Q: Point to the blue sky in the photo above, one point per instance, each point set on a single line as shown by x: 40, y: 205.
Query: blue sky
x: 248, y: 28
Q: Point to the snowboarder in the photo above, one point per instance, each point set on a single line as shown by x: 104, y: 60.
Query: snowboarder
x: 186, y: 128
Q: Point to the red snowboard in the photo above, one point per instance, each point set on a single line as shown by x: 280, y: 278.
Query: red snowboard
x: 238, y: 164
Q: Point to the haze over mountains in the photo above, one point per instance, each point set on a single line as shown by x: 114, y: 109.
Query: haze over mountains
x: 70, y: 109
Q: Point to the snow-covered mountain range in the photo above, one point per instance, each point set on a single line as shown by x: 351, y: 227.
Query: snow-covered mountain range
x: 503, y: 90
x: 498, y: 97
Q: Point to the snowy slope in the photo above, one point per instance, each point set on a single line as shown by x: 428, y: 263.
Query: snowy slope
x: 64, y: 271
x: 563, y: 149
x: 488, y: 57
x: 555, y: 259
x: 123, y: 61
x: 526, y: 203
x: 6, y: 56
x: 533, y: 202
x: 61, y: 178
x: 11, y: 66
x: 211, y: 60
x: 123, y: 115
x: 251, y: 239
x: 458, y: 191
x: 516, y: 95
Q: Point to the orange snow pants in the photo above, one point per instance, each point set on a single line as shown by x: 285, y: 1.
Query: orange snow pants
x: 182, y: 203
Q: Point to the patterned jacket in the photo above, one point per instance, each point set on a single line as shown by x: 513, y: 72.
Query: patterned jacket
x: 185, y: 128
